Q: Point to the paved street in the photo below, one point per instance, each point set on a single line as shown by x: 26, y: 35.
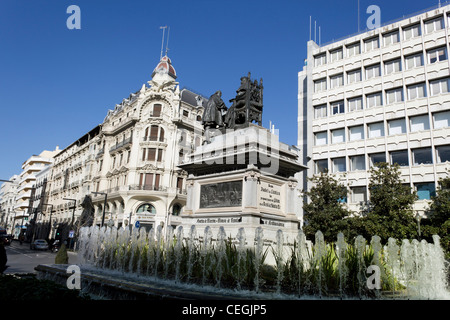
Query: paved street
x: 21, y: 259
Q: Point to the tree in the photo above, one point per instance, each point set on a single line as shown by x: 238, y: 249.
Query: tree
x: 390, y: 211
x: 325, y: 210
x: 439, y: 216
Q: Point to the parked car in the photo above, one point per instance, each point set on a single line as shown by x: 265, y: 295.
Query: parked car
x: 39, y: 244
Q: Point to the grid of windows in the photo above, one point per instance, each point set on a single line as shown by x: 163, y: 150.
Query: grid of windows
x: 386, y: 92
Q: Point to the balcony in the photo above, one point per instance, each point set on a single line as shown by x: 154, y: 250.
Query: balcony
x: 121, y: 145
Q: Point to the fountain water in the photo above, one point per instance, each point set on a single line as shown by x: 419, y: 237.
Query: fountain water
x: 241, y: 258
x: 279, y: 259
x: 415, y: 270
x: 341, y: 249
x: 259, y: 256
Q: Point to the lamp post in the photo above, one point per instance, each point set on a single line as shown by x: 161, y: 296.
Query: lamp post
x: 104, y: 205
x: 73, y: 216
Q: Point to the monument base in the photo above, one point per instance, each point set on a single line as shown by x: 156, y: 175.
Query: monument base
x: 243, y: 179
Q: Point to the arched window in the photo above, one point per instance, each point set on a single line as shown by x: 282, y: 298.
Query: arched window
x: 146, y: 207
x: 176, y: 209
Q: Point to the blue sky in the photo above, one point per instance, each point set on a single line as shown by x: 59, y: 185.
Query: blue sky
x: 57, y: 84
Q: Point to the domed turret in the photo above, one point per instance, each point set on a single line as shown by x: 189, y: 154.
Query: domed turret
x: 165, y: 67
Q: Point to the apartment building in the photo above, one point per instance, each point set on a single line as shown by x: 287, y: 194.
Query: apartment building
x: 25, y: 192
x: 379, y: 96
x: 8, y: 193
x: 130, y: 159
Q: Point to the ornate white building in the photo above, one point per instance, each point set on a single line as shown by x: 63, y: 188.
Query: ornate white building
x: 130, y: 160
x: 379, y: 96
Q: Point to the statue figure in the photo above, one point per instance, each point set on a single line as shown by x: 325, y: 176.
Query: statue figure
x: 87, y: 216
x: 212, y: 117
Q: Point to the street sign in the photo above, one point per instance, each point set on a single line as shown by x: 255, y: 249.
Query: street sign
x: 137, y: 224
x: 71, y: 233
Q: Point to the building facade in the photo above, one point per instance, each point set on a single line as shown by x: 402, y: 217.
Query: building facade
x: 379, y: 96
x: 128, y: 164
x: 8, y: 194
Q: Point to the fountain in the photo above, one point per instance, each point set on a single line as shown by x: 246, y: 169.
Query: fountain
x: 232, y: 267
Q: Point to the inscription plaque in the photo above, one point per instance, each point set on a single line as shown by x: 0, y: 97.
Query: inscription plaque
x: 223, y: 194
x: 270, y: 196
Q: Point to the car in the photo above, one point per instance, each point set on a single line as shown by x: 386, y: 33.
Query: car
x: 39, y: 244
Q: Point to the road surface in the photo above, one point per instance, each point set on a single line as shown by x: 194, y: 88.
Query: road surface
x: 21, y: 259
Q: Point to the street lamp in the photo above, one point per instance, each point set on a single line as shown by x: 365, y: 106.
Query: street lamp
x: 104, y: 205
x: 74, y: 206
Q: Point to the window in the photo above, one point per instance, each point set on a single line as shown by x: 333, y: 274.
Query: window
x: 337, y: 136
x: 441, y: 119
x: 434, y: 25
x: 422, y: 156
x: 392, y: 66
x: 151, y: 154
x: 400, y: 157
x: 397, y: 126
x: 356, y: 133
x: 321, y: 166
x: 391, y: 38
x: 355, y: 104
x: 337, y: 81
x: 154, y: 133
x: 320, y: 85
x: 353, y: 49
x: 337, y: 107
x: 411, y: 32
x: 320, y: 138
x: 336, y: 55
x: 186, y: 113
x: 320, y: 111
x: 339, y: 164
x: 146, y: 207
x: 359, y: 194
x: 157, y: 110
x: 354, y: 76
x: 320, y: 60
x: 439, y: 86
x: 394, y: 95
x: 416, y: 91
x: 376, y: 129
x: 357, y: 163
x: 376, y: 158
x: 414, y: 60
x: 374, y: 100
x: 373, y: 71
x: 419, y: 123
x: 436, y: 55
x: 425, y: 190
x: 442, y: 154
x: 176, y: 209
x: 371, y: 44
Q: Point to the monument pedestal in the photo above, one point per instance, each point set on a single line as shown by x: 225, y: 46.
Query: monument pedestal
x: 243, y: 179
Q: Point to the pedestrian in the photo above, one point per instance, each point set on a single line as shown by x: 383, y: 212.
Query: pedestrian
x: 3, y: 257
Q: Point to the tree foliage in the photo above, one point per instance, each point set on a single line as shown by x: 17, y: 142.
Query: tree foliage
x: 325, y: 211
x: 390, y: 211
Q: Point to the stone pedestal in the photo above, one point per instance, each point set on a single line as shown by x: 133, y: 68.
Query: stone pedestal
x: 243, y: 179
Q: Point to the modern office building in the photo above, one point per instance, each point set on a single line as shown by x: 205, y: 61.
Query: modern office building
x: 379, y: 96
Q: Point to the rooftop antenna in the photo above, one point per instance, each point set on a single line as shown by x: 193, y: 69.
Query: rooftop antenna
x: 167, y: 44
x: 315, y: 31
x: 309, y: 28
x: 162, y: 42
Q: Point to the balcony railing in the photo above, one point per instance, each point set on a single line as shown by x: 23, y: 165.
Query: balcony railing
x: 119, y: 145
